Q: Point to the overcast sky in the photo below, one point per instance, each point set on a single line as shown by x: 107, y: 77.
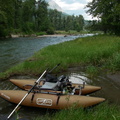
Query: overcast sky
x: 75, y: 7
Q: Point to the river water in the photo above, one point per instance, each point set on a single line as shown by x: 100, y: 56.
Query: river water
x: 16, y: 50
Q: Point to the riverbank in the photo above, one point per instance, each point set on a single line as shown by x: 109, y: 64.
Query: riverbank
x: 33, y: 35
x: 94, y: 54
x: 56, y: 34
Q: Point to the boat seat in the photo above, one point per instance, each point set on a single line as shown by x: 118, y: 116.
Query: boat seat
x: 51, y: 78
x: 50, y: 85
x: 45, y: 86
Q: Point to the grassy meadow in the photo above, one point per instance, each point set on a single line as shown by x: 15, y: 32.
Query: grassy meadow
x: 96, y: 53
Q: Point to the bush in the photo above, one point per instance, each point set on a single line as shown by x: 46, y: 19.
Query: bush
x: 50, y: 30
x: 27, y: 28
x: 41, y: 33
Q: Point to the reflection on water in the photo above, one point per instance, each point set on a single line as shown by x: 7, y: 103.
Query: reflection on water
x: 110, y: 91
x: 78, y: 78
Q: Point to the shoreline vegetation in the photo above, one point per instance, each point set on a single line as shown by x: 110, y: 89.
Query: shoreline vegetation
x: 101, y: 112
x: 92, y: 54
x: 55, y: 34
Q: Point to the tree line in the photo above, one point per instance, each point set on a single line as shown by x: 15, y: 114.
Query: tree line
x: 108, y: 13
x: 29, y: 16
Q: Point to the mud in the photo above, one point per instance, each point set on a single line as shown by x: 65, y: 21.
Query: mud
x: 115, y: 77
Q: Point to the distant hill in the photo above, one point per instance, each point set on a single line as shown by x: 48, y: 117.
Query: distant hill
x: 54, y: 5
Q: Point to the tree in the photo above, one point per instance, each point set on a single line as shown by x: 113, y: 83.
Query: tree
x: 41, y: 16
x: 28, y: 16
x: 79, y: 23
x: 93, y: 25
x: 109, y: 13
x: 17, y: 21
x: 3, y: 24
x: 6, y: 17
x: 69, y: 23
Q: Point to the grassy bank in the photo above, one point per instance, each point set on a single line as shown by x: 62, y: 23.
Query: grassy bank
x: 94, y: 53
x: 73, y: 32
x: 101, y: 112
x: 32, y: 34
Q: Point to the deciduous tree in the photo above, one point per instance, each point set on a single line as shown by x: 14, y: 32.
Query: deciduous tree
x: 108, y: 11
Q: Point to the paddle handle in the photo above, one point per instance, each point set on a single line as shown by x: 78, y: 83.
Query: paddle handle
x: 26, y: 95
x: 40, y: 77
x: 17, y: 106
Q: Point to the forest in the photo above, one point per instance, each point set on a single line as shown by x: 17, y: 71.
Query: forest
x: 108, y: 14
x: 29, y: 16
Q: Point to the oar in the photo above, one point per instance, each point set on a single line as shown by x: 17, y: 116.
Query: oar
x: 51, y: 70
x: 54, y: 68
x: 26, y: 94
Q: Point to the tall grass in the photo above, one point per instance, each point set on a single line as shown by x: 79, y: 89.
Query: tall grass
x: 99, y: 51
x: 101, y: 112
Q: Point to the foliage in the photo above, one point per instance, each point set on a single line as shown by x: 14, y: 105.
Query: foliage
x: 93, y: 25
x: 101, y: 112
x: 61, y: 22
x: 109, y: 13
x: 29, y: 17
x: 50, y: 30
x: 41, y: 33
x: 5, y: 17
x: 91, y: 71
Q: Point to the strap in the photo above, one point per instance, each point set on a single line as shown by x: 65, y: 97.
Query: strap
x: 33, y: 96
x: 58, y: 99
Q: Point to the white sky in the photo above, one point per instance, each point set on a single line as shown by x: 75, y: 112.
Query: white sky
x: 76, y: 7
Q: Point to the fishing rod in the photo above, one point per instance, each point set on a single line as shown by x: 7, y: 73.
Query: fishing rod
x: 37, y: 81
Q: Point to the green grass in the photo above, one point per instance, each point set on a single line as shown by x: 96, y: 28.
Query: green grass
x: 74, y: 32
x: 100, y: 112
x: 71, y: 32
x: 41, y: 33
x: 94, y: 53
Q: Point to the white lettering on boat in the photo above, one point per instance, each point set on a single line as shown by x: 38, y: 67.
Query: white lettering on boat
x: 5, y: 96
x: 43, y: 101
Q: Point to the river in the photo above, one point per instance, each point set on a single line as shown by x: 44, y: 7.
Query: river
x: 16, y: 50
